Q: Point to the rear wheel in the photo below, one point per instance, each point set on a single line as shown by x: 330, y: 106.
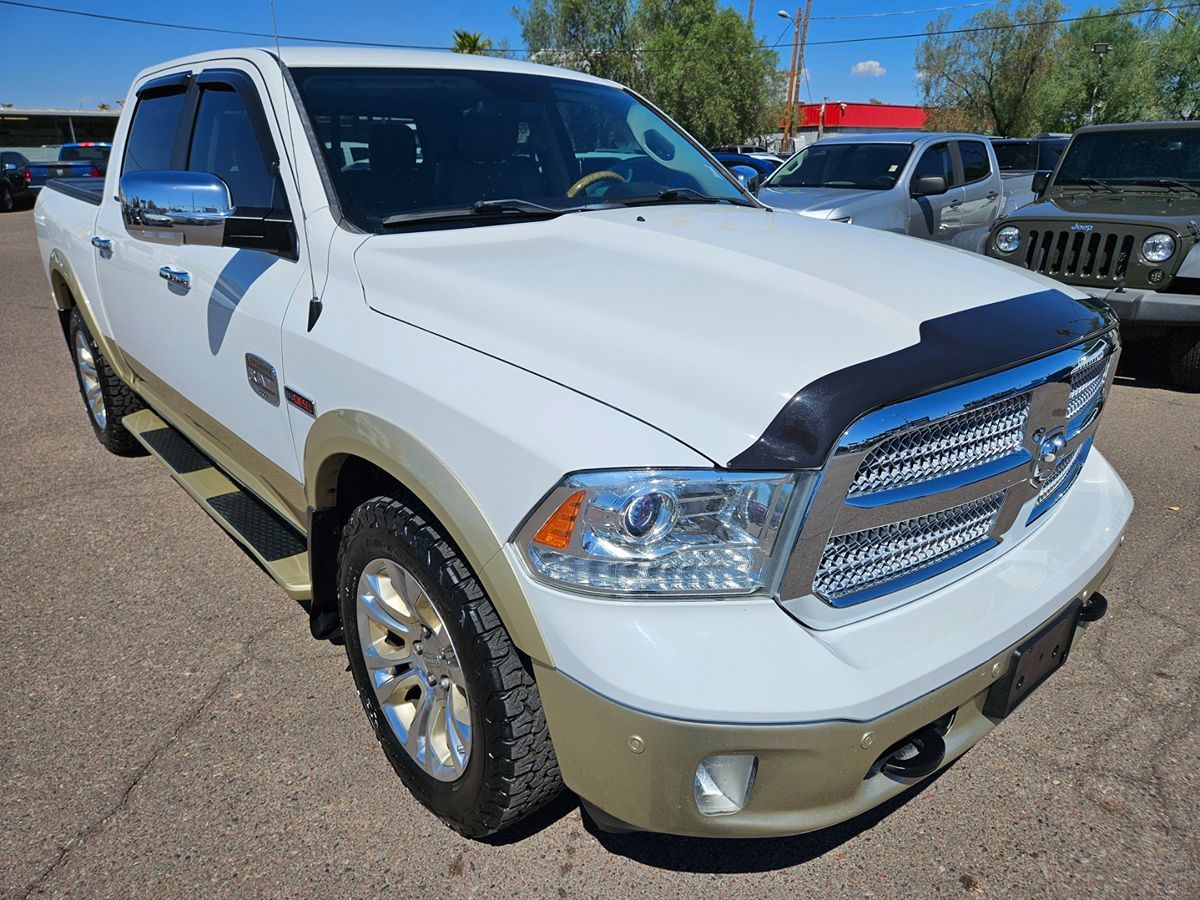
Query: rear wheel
x: 107, y: 398
x: 1185, y: 358
x: 7, y: 201
x: 451, y: 700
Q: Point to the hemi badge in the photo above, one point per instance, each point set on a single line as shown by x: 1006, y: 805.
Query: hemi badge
x: 299, y: 401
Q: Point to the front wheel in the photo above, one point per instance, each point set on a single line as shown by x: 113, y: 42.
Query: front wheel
x: 451, y: 700
x: 1185, y: 358
x: 7, y: 201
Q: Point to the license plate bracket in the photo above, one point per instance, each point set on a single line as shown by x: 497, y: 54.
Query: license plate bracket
x: 1035, y: 660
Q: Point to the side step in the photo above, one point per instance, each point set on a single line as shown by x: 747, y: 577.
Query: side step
x: 278, y: 547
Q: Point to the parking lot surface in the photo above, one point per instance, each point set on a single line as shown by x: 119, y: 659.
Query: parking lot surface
x: 170, y: 727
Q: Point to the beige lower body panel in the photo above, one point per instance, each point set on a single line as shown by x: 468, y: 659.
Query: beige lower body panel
x: 640, y: 768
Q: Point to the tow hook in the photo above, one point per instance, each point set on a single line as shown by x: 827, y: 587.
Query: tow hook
x: 1094, y: 607
x: 915, y: 756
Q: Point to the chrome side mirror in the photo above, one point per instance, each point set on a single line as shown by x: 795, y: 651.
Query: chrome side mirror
x: 747, y: 177
x: 175, y: 207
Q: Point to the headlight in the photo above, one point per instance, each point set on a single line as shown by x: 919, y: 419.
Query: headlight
x: 664, y: 531
x: 1158, y: 247
x: 1008, y: 239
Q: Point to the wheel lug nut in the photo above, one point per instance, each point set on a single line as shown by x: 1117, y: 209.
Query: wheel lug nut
x: 445, y: 683
x: 417, y: 647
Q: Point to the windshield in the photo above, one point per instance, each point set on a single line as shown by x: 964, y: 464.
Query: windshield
x: 865, y: 167
x: 401, y: 142
x: 1016, y: 156
x: 1132, y: 157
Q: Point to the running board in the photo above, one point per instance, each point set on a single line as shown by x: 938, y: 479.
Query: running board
x: 276, y: 545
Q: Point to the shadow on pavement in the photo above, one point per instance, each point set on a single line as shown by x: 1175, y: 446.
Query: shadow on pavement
x: 740, y: 855
x: 1144, y: 364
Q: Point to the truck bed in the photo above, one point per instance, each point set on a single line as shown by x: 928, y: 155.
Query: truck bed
x: 90, y: 190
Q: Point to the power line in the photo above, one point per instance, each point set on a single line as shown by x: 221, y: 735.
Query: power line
x: 854, y: 40
x: 906, y: 12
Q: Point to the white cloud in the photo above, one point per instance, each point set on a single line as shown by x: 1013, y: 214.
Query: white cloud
x: 919, y: 76
x: 868, y: 68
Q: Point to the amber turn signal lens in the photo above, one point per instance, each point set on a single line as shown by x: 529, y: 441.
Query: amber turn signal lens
x: 556, y: 532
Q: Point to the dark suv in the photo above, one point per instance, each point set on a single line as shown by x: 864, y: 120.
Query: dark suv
x: 1120, y: 218
x: 14, y: 180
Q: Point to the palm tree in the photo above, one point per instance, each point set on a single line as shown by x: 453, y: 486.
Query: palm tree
x: 471, y: 42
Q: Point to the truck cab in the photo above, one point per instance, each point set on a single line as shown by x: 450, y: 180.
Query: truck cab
x: 940, y: 187
x: 1119, y: 218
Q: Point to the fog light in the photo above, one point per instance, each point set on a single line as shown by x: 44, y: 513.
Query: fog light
x: 1155, y: 276
x: 723, y: 783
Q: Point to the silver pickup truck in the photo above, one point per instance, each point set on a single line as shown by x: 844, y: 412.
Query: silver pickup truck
x: 942, y: 187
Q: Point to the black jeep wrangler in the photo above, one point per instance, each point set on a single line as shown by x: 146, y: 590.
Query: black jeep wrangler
x: 1119, y: 218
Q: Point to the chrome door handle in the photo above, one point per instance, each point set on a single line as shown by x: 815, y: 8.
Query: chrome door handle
x: 175, y: 276
x: 102, y: 244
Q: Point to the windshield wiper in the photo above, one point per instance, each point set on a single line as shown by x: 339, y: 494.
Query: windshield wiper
x: 680, y: 195
x: 1176, y: 182
x: 493, y: 209
x: 1098, y: 183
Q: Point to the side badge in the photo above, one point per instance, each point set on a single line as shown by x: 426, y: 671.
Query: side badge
x: 301, y: 402
x: 262, y: 378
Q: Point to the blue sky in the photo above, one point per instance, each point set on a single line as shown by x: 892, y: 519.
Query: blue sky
x: 51, y: 59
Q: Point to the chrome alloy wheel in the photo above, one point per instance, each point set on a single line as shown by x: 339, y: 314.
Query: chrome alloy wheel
x: 414, y: 669
x: 91, y: 380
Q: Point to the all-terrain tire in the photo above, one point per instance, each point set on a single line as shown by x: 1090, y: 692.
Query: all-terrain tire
x: 512, y: 770
x: 1185, y: 358
x: 119, y: 400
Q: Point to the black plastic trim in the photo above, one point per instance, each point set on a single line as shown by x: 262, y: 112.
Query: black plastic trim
x: 952, y: 349
x: 89, y: 190
x: 175, y: 83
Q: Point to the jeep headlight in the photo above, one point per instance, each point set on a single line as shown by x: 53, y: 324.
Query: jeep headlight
x: 1008, y: 239
x: 1158, y: 247
x: 659, y: 531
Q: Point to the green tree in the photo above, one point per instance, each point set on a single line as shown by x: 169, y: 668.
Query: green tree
x: 1176, y: 67
x: 703, y: 65
x: 471, y: 42
x: 994, y: 80
x: 585, y: 35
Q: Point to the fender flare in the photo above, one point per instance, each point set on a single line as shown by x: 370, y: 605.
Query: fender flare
x: 343, y: 433
x: 68, y: 293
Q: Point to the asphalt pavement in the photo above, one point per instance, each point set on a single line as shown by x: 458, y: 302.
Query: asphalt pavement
x: 170, y: 728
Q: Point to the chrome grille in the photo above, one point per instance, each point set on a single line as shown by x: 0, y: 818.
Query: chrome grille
x: 954, y: 444
x: 877, y: 557
x: 1061, y: 472
x: 1088, y: 378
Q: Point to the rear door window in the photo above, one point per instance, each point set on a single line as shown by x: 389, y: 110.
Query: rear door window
x: 152, y: 135
x: 975, y: 162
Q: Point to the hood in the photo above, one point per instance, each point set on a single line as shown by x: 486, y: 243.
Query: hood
x: 1154, y: 208
x: 816, y: 203
x: 700, y: 320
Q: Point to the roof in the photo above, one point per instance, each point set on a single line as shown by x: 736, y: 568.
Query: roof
x: 370, y: 57
x: 1136, y: 126
x: 897, y: 137
x: 51, y: 111
x: 862, y: 115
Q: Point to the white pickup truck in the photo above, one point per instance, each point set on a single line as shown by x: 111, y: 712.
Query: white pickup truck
x: 447, y: 343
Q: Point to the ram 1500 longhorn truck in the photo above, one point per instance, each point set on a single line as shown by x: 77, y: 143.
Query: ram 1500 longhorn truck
x: 722, y: 569
x: 1119, y: 218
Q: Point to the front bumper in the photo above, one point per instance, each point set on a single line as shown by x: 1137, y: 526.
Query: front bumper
x: 639, y: 769
x: 690, y: 680
x: 1150, y: 307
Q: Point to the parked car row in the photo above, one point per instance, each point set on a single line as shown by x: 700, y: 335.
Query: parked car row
x: 23, y: 177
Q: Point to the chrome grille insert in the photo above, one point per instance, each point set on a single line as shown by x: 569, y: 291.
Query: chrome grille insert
x: 954, y: 444
x: 1088, y: 377
x: 877, y: 559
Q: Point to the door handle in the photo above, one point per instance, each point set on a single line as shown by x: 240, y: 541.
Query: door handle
x: 992, y: 195
x: 955, y: 204
x: 175, y: 276
x: 102, y: 244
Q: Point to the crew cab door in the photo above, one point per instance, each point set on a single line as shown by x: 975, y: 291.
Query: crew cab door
x: 135, y: 299
x: 937, y: 217
x: 983, y: 199
x: 225, y: 324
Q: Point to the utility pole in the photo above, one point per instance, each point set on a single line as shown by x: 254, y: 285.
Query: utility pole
x: 795, y: 73
x: 750, y: 14
x: 1099, y: 49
